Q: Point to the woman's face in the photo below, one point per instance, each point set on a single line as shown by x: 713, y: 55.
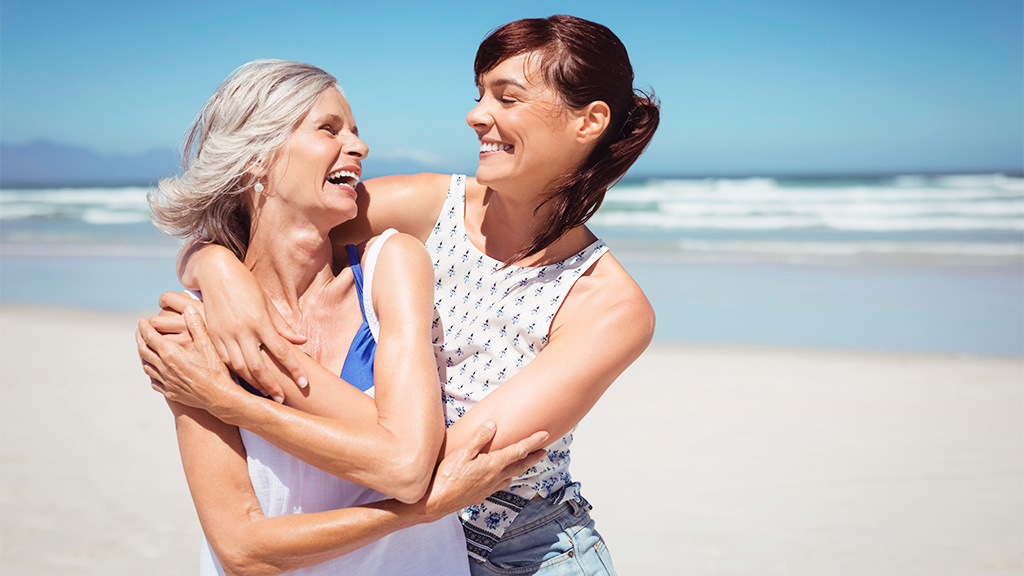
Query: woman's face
x: 317, y: 170
x: 527, y: 135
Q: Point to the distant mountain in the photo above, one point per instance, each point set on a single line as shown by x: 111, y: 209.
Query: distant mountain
x: 48, y: 164
x: 42, y: 164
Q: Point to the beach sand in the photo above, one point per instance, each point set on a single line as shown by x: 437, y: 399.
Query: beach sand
x: 699, y: 460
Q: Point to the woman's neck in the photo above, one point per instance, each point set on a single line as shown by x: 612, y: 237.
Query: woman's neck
x: 502, y: 224
x: 289, y: 261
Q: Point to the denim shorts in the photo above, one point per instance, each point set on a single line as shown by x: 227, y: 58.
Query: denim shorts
x: 549, y: 539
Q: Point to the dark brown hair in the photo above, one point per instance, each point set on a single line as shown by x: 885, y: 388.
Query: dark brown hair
x: 584, y: 62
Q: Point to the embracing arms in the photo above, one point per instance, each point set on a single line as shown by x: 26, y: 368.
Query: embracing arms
x: 247, y: 542
x: 389, y: 444
x: 603, y: 326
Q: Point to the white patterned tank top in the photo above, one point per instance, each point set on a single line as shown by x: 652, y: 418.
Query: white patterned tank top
x: 489, y: 322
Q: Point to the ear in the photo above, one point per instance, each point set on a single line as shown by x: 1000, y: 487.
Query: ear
x: 592, y: 122
x: 257, y: 168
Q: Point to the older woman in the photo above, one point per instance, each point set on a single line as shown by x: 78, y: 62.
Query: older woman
x: 534, y: 318
x: 272, y: 164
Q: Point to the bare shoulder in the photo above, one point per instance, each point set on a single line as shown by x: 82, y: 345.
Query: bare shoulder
x: 607, y: 300
x: 409, y: 202
x: 410, y: 185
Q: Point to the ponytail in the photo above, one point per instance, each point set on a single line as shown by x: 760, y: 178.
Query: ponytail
x: 578, y: 197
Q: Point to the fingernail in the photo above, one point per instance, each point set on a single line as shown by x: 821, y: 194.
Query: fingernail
x: 489, y: 425
x: 303, y: 382
x: 190, y: 310
x: 279, y: 399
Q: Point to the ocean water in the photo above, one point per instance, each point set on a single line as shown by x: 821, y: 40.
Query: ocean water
x: 923, y: 263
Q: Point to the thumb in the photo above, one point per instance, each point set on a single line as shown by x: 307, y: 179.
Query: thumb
x: 483, y: 436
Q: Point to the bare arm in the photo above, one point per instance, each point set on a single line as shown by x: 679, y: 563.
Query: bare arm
x: 247, y: 542
x: 390, y: 445
x: 605, y: 323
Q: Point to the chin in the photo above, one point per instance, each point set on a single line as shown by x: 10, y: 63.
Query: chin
x: 487, y: 176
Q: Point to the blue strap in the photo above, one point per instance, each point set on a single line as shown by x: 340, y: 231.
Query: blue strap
x: 357, y: 274
x: 358, y: 368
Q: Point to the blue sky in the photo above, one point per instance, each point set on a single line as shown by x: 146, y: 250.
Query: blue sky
x: 753, y: 86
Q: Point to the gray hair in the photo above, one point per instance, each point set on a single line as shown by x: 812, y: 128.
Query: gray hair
x: 246, y: 121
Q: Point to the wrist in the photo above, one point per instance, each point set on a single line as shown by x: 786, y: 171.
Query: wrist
x: 229, y: 402
x: 423, y: 511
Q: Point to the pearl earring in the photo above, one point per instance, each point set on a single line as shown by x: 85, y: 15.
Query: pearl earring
x: 258, y: 187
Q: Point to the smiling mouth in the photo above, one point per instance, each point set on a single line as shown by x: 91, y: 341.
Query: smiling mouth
x: 343, y: 177
x: 494, y: 147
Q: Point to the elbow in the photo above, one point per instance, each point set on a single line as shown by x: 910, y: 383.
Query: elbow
x: 237, y: 559
x: 235, y: 566
x: 412, y: 476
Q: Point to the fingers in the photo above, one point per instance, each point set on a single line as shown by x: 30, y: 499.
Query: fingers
x: 196, y: 327
x: 169, y: 323
x: 148, y: 358
x: 231, y: 354
x: 259, y: 377
x: 481, y: 438
x: 178, y: 301
x: 170, y: 301
x: 152, y: 341
x: 522, y: 455
x: 146, y: 354
x: 285, y: 356
x: 519, y: 467
x: 283, y: 328
x: 280, y: 350
x: 247, y: 362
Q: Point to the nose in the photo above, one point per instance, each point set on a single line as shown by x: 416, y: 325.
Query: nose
x: 478, y: 118
x: 356, y: 148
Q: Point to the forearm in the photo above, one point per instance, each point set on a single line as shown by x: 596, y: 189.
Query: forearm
x: 247, y: 542
x: 336, y: 428
x: 289, y: 542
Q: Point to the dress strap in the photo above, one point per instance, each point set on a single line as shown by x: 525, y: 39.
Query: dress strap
x: 357, y: 272
x: 366, y: 294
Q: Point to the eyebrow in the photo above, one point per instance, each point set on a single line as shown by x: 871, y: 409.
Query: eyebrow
x: 497, y: 82
x: 334, y: 118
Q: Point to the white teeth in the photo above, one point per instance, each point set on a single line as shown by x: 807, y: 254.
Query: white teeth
x: 349, y: 175
x: 494, y: 147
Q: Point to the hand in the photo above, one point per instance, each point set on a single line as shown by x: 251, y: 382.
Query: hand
x: 195, y: 377
x: 467, y: 476
x: 171, y: 324
x: 247, y: 337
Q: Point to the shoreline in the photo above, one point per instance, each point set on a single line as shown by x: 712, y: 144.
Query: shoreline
x: 121, y: 318
x: 741, y: 459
